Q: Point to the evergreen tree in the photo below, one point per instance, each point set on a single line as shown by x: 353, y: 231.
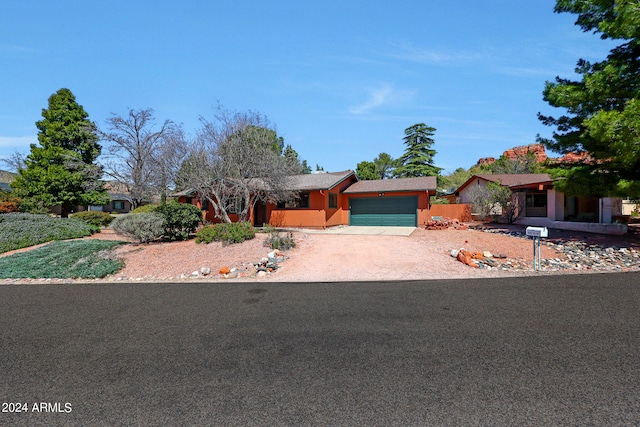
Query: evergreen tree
x: 366, y: 171
x: 385, y: 166
x: 603, y: 107
x: 417, y: 159
x: 61, y: 170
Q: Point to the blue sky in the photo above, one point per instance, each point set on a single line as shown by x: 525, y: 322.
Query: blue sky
x: 340, y: 80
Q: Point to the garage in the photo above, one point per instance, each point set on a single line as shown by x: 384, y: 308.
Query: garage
x: 384, y: 211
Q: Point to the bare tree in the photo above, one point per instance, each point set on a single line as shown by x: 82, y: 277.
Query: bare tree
x: 233, y: 164
x: 496, y: 199
x: 15, y: 162
x: 142, y: 158
x: 480, y: 197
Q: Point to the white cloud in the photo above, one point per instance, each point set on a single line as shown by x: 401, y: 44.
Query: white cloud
x: 381, y: 96
x: 408, y: 52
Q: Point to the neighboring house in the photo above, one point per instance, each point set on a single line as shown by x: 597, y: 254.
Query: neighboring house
x: 541, y: 205
x: 119, y: 204
x: 120, y: 199
x: 338, y: 198
x: 5, y: 186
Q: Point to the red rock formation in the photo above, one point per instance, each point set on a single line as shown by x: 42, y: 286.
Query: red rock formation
x: 573, y: 158
x: 539, y: 151
x: 486, y: 161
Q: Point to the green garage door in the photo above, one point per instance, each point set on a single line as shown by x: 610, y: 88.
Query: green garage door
x: 386, y: 211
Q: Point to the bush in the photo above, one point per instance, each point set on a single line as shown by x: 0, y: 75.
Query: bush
x: 180, y: 220
x: 234, y: 232
x: 33, y: 206
x: 277, y: 240
x: 95, y: 218
x: 145, y: 209
x: 144, y: 227
x: 21, y: 230
x: 8, y: 202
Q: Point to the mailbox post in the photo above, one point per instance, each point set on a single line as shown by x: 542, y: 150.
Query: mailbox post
x: 537, y: 233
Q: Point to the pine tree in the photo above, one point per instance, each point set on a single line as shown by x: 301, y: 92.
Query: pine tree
x: 603, y: 106
x: 417, y: 159
x: 61, y: 170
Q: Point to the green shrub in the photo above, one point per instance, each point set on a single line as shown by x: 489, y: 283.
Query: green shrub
x: 33, y: 206
x: 277, y: 240
x: 234, y: 232
x: 87, y: 259
x: 95, y: 218
x: 144, y: 227
x: 180, y: 220
x: 145, y: 209
x: 21, y: 230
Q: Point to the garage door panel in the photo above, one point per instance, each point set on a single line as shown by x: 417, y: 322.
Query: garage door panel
x: 384, y: 211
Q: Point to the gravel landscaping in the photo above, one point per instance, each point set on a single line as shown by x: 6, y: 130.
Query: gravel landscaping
x: 426, y: 254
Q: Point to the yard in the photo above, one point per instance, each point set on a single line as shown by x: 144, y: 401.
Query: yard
x: 325, y: 257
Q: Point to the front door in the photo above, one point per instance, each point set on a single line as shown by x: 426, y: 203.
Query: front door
x: 259, y: 214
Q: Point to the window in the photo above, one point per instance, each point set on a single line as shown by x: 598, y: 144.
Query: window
x: 301, y: 202
x: 536, y: 200
x: 205, y: 205
x: 118, y: 205
x: 333, y: 200
x: 235, y: 205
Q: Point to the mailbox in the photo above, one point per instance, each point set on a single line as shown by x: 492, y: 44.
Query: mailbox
x: 537, y: 231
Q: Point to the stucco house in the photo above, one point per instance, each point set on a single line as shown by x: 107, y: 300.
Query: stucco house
x: 338, y: 198
x: 542, y: 206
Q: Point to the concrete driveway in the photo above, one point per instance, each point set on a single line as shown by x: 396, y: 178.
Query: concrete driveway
x: 366, y: 230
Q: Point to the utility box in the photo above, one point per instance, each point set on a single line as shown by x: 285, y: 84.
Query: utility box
x: 538, y: 231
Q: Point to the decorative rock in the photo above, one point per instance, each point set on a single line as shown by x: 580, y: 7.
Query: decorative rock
x: 465, y: 257
x: 205, y: 271
x: 487, y: 254
x: 261, y: 273
x: 224, y: 270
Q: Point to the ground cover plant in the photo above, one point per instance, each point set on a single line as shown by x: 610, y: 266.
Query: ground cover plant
x: 21, y: 230
x: 77, y: 259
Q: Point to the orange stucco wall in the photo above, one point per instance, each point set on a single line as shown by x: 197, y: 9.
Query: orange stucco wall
x: 318, y: 215
x: 461, y: 211
x: 209, y: 215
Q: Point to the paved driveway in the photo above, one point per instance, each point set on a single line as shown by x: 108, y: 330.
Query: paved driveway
x: 366, y: 230
x: 495, y: 352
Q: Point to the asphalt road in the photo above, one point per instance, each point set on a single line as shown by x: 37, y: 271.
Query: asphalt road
x: 531, y: 351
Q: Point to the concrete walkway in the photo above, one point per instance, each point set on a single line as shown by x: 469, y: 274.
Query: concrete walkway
x: 364, y: 230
